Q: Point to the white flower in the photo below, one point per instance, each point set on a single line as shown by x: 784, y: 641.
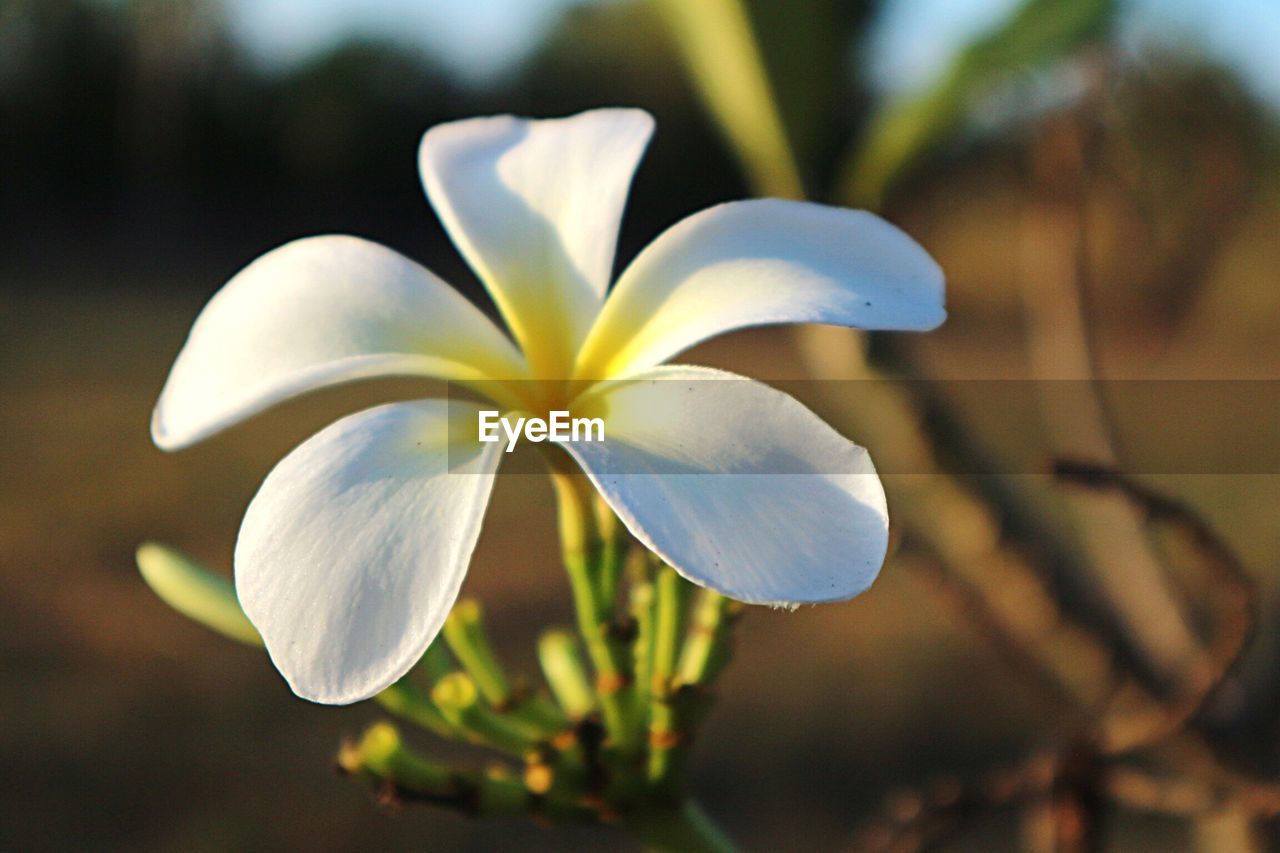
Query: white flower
x: 352, y: 552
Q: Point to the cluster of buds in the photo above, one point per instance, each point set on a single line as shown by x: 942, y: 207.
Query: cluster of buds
x: 605, y: 737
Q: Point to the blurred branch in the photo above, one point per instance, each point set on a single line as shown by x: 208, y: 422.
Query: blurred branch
x: 1056, y: 794
x: 1184, y: 796
x: 716, y: 40
x: 1230, y: 830
x: 1061, y: 795
x: 904, y: 129
x: 999, y: 586
x: 1217, y: 557
x: 1232, y: 583
x: 1054, y: 267
x: 1135, y: 579
x: 1021, y: 622
x: 1064, y: 816
x: 913, y: 821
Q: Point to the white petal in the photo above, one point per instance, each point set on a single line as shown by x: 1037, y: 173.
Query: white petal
x: 738, y: 486
x: 316, y: 312
x: 352, y: 552
x: 535, y: 208
x: 754, y: 263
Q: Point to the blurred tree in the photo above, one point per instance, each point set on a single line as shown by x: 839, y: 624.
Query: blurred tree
x: 64, y: 61
x: 168, y: 46
x: 349, y: 120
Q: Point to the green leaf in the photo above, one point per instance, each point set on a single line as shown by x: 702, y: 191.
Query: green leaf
x: 805, y: 49
x: 719, y: 48
x: 903, y: 130
x: 195, y: 592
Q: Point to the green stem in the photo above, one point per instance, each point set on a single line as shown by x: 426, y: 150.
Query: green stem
x: 412, y: 703
x: 458, y: 699
x: 436, y: 662
x: 566, y: 674
x: 615, y: 542
x: 678, y: 711
x: 559, y: 768
x: 381, y: 756
x: 464, y: 632
x: 671, y: 600
x: 606, y: 645
x: 671, y: 729
x: 670, y: 616
x: 707, y: 649
x: 641, y: 605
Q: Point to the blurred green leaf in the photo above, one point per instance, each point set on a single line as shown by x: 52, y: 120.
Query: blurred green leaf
x: 819, y: 92
x: 902, y: 130
x: 718, y: 45
x: 195, y: 592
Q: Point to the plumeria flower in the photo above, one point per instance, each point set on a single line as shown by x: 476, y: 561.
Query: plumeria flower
x: 352, y: 552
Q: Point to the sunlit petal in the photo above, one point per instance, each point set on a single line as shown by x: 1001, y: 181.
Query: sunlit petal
x: 535, y: 207
x: 754, y: 263
x: 353, y: 550
x: 737, y: 485
x: 316, y: 312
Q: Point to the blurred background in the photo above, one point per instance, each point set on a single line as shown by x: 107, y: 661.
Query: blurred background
x: 1098, y: 179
